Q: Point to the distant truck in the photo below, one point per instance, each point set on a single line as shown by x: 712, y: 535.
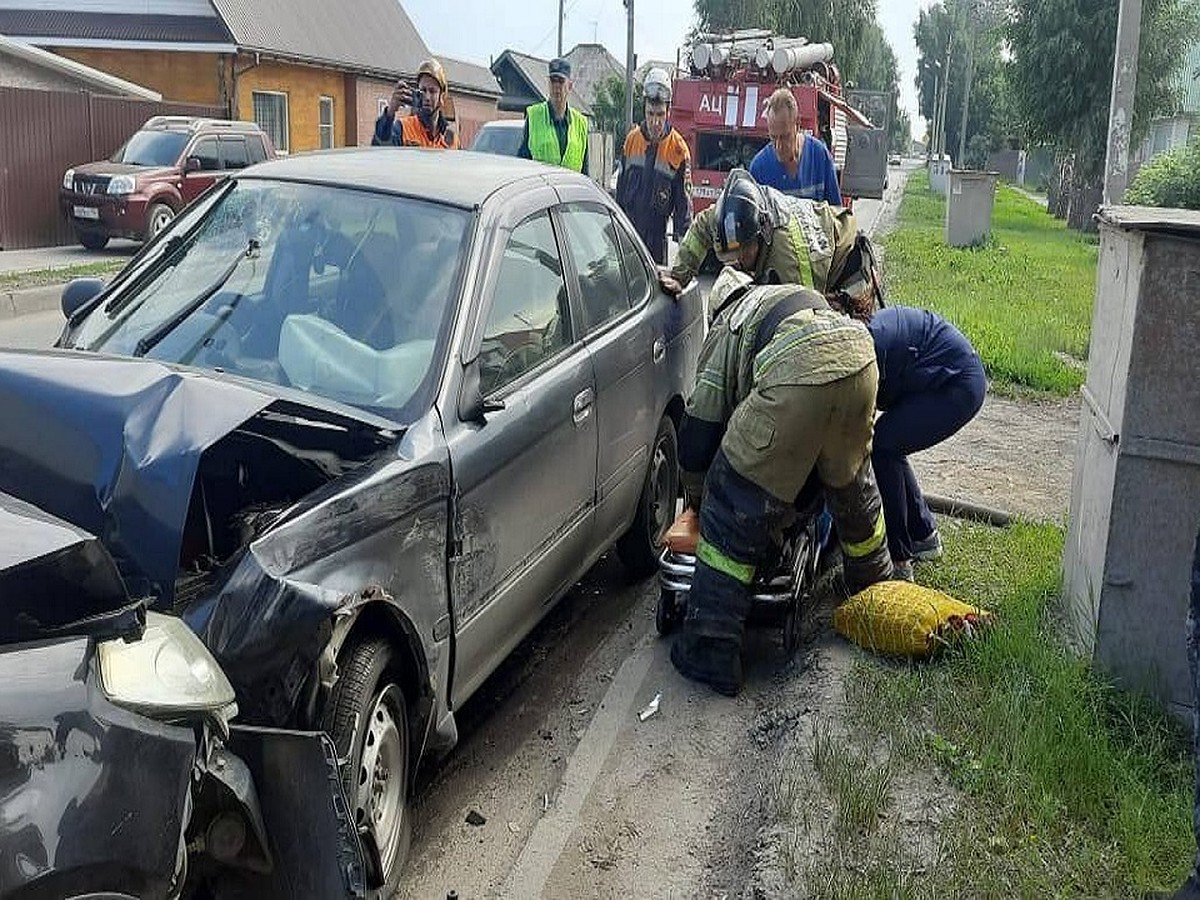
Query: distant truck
x: 719, y: 106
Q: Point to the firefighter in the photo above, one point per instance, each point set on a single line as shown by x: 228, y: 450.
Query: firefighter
x: 799, y: 165
x: 655, y: 181
x: 778, y: 239
x: 429, y: 126
x: 785, y: 386
x: 554, y: 132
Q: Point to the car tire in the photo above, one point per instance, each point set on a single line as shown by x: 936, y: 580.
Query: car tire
x: 367, y: 719
x: 158, y: 217
x: 92, y: 240
x: 639, y: 547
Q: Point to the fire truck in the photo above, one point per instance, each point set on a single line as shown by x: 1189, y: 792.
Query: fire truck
x: 719, y: 106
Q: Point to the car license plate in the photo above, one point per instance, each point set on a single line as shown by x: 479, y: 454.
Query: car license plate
x: 86, y: 212
x: 704, y: 192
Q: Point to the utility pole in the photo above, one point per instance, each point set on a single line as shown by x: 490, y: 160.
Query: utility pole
x: 1120, y: 115
x: 941, y: 149
x: 560, y: 24
x: 933, y: 121
x: 629, y: 67
x: 962, y: 123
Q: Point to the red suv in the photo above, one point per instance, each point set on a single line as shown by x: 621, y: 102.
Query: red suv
x: 158, y: 171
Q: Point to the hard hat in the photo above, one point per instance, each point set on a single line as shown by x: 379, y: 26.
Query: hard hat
x: 434, y: 70
x: 742, y: 216
x: 728, y: 283
x: 656, y: 88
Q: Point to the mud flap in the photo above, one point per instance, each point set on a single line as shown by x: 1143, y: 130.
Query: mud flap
x: 312, y: 837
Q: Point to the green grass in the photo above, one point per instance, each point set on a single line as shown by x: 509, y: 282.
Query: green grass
x: 13, y: 281
x: 1022, y: 298
x: 1068, y: 787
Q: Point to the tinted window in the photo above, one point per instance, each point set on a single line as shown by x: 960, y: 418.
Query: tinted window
x: 258, y: 151
x: 636, y: 273
x: 152, y: 148
x: 529, y: 320
x: 592, y: 243
x: 503, y: 141
x: 337, y: 292
x: 233, y: 153
x: 209, y: 154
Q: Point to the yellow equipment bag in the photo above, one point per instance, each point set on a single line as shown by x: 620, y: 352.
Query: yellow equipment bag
x: 899, y: 618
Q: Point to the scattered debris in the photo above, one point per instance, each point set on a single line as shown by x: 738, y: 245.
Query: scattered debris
x: 474, y: 818
x: 514, y: 827
x: 651, y: 708
x: 545, y: 803
x: 545, y: 734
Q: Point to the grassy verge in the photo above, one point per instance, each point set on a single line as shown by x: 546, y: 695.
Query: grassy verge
x: 13, y: 281
x: 1024, y: 299
x: 1063, y: 786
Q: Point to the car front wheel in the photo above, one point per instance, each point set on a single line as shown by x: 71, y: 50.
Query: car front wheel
x: 158, y: 217
x: 367, y: 718
x: 639, y: 547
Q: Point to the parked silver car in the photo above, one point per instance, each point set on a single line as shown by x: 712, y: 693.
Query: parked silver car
x: 361, y: 418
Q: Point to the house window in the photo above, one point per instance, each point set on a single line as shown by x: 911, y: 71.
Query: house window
x: 271, y: 114
x: 325, y: 126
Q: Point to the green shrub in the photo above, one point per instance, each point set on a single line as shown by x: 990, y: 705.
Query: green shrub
x: 1172, y: 179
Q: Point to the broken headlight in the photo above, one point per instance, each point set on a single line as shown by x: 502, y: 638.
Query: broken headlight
x: 169, y: 672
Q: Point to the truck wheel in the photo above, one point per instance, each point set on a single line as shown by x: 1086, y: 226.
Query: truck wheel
x: 640, y: 546
x: 92, y: 240
x: 158, y: 217
x: 367, y: 718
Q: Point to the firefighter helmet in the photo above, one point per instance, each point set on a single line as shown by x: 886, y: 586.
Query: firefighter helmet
x: 657, y: 86
x: 742, y: 216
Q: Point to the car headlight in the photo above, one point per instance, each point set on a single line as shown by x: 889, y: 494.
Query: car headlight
x: 122, y: 184
x: 168, y: 672
x: 69, y: 180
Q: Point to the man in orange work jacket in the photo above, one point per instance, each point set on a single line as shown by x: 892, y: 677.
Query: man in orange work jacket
x: 429, y: 126
x: 656, y: 180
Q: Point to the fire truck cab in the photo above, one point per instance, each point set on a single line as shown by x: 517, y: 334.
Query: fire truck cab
x: 719, y: 106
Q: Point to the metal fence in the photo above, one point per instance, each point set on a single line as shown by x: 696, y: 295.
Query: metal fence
x: 42, y: 134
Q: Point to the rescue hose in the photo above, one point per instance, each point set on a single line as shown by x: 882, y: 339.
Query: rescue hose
x: 966, y: 509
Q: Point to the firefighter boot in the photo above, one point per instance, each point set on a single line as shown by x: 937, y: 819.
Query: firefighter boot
x: 709, y: 648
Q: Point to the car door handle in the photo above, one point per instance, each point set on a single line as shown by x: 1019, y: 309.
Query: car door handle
x: 583, y: 405
x: 660, y: 350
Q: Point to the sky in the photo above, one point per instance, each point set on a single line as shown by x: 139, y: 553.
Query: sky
x: 477, y: 30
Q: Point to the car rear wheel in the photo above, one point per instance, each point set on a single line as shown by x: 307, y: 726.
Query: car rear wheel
x: 640, y: 546
x: 92, y: 240
x: 158, y: 217
x: 367, y: 718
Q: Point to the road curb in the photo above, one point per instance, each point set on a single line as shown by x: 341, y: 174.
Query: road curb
x: 27, y: 301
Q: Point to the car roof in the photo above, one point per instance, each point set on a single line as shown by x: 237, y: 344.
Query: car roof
x: 455, y: 177
x: 195, y: 124
x: 503, y: 123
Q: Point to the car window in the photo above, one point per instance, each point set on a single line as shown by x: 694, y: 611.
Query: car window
x: 258, y: 151
x: 636, y: 274
x: 233, y: 153
x: 342, y: 293
x: 501, y: 140
x: 529, y: 320
x: 152, y: 148
x: 592, y: 242
x: 209, y: 154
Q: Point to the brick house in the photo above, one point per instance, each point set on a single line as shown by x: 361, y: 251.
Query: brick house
x: 310, y: 72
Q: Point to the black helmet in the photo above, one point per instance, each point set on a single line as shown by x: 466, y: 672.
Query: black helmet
x: 742, y: 216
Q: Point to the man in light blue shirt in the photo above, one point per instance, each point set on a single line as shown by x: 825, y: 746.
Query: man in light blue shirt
x: 796, y: 164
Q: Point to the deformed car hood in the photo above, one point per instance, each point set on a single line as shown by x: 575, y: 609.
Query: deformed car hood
x: 112, y: 446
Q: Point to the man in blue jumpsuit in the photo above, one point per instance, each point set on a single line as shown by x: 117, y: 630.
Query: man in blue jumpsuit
x: 795, y: 163
x: 931, y: 383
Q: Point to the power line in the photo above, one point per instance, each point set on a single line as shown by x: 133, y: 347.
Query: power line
x: 554, y: 30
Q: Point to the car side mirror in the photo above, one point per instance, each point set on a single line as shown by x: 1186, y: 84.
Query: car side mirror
x: 78, y: 294
x: 472, y: 407
x: 192, y: 165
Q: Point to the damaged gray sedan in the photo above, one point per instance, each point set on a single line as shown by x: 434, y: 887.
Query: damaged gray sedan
x: 360, y: 419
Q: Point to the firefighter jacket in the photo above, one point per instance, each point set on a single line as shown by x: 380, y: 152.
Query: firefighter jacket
x: 543, y: 138
x: 809, y: 245
x: 655, y: 184
x: 410, y: 131
x: 775, y: 334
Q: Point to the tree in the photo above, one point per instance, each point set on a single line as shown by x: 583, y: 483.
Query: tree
x: 968, y: 31
x: 608, y: 107
x: 1062, y: 71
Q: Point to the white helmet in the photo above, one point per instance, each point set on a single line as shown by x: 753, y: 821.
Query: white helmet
x: 657, y: 86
